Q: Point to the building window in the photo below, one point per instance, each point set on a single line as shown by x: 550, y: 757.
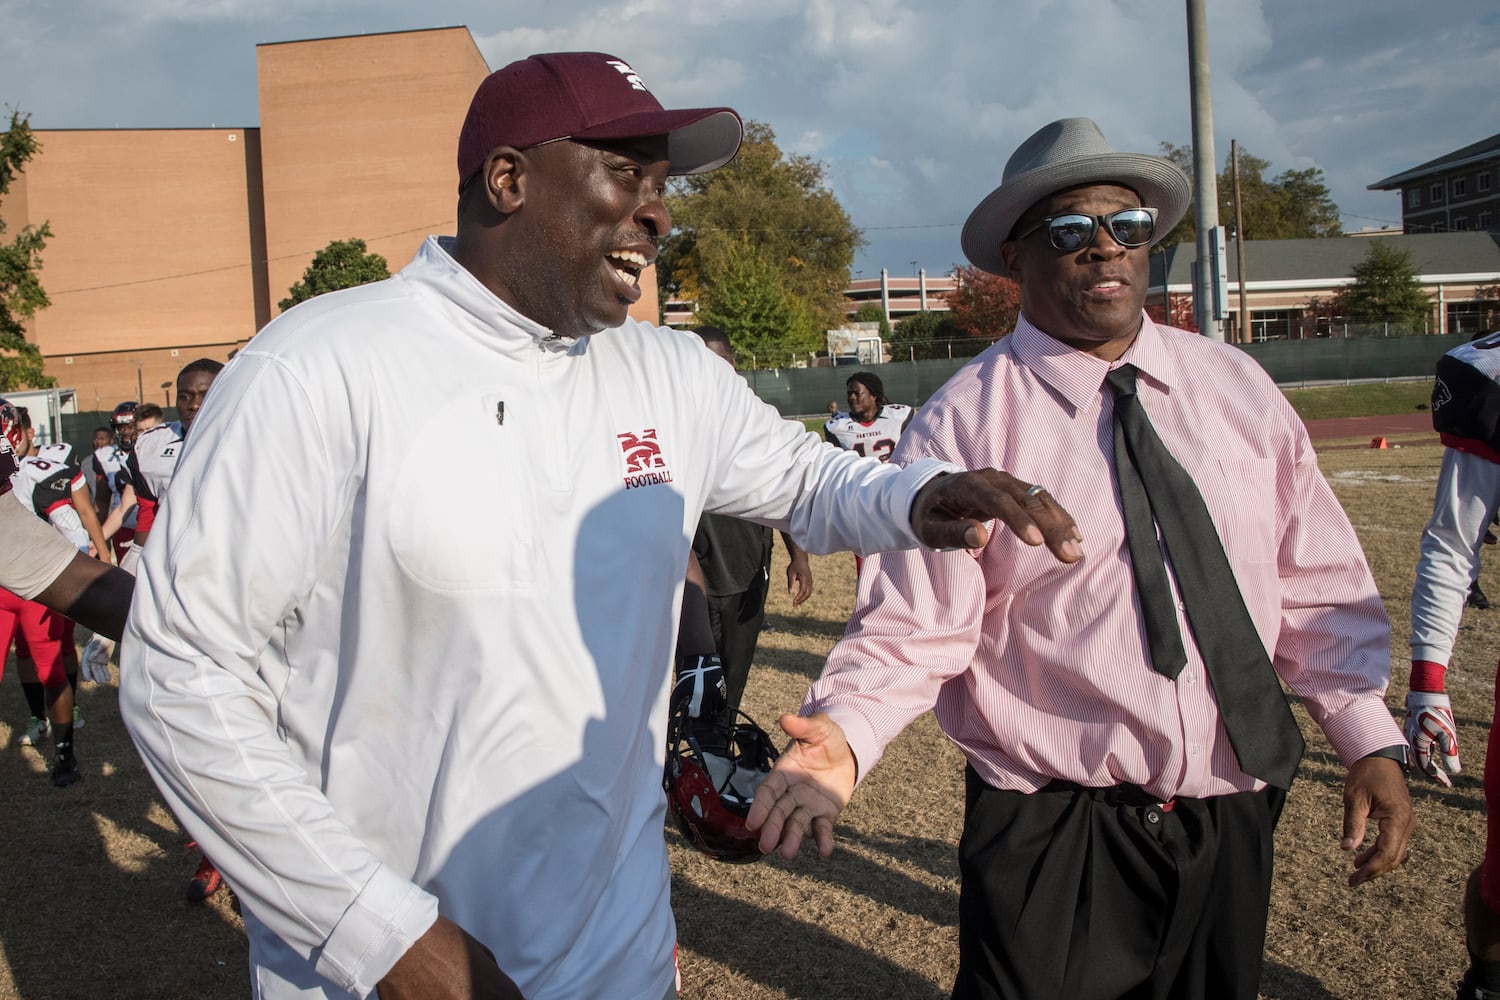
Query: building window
x: 1460, y: 187
x: 1460, y: 224
x: 1436, y: 193
x: 1414, y: 198
x: 1484, y: 220
x: 1482, y: 182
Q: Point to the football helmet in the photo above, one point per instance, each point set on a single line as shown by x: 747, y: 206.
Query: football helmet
x: 124, y: 414
x: 712, y: 771
x: 10, y: 425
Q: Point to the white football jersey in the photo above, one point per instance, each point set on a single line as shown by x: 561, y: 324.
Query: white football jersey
x: 154, y: 459
x: 877, y: 438
x: 45, y: 482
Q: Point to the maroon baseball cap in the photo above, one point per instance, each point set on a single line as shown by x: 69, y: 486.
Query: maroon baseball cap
x: 588, y: 95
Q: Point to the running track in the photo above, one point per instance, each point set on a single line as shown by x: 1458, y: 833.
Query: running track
x: 1409, y: 428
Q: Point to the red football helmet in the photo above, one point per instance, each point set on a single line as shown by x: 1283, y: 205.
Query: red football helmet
x: 712, y: 772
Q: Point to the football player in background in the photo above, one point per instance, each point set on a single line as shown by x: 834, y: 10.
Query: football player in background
x: 1465, y: 404
x: 873, y: 424
x: 53, y: 488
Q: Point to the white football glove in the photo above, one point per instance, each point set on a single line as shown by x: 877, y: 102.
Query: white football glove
x: 95, y: 659
x: 1431, y: 733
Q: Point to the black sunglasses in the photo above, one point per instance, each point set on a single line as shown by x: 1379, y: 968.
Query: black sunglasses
x: 1129, y: 227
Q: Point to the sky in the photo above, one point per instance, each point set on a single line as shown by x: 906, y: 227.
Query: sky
x: 913, y: 108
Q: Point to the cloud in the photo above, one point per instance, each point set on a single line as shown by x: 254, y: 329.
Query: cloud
x: 915, y: 108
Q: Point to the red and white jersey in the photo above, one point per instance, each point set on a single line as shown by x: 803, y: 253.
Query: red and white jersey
x: 151, y: 464
x: 877, y: 438
x: 45, y: 482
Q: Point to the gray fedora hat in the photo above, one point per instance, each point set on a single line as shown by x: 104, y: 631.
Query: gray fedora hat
x: 1061, y: 155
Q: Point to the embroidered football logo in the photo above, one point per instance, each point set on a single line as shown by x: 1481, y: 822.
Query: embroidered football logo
x: 644, y: 464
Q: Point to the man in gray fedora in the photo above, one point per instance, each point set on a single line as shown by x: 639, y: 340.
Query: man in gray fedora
x: 1128, y: 740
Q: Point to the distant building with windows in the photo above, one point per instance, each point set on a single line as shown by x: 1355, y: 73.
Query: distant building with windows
x: 898, y: 297
x: 1456, y: 192
x: 1287, y: 279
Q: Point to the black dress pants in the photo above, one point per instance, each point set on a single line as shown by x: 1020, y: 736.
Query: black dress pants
x: 1100, y: 894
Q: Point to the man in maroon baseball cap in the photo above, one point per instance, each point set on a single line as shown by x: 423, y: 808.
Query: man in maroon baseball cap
x: 588, y: 96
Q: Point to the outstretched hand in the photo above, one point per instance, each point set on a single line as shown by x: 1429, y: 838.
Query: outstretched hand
x: 808, y: 788
x: 950, y: 511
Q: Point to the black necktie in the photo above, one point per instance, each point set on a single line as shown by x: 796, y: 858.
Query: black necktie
x: 1153, y: 487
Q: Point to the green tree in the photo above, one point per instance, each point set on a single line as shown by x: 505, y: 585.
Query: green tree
x: 871, y: 312
x: 922, y: 336
x: 983, y: 305
x: 1294, y: 205
x: 767, y: 326
x: 773, y: 204
x: 341, y: 264
x: 21, y: 292
x: 1385, y: 291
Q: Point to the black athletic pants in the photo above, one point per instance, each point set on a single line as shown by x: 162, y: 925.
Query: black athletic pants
x: 736, y: 620
x: 1100, y: 894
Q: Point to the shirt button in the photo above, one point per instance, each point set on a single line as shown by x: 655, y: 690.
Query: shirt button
x: 1192, y: 678
x: 1194, y: 750
x: 1181, y: 607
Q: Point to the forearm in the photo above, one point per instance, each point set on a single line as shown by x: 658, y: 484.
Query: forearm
x: 206, y: 735
x: 92, y: 593
x: 1333, y: 641
x: 916, y: 625
x: 1463, y: 507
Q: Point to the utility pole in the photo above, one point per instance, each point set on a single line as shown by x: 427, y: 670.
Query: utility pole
x: 1245, y: 326
x: 1206, y: 311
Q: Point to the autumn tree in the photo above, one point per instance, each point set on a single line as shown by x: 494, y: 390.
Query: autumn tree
x: 983, y: 305
x: 767, y: 206
x: 341, y: 264
x: 1295, y: 204
x: 21, y: 292
x: 1385, y: 291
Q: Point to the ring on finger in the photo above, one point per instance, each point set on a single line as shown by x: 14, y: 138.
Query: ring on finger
x: 1034, y: 490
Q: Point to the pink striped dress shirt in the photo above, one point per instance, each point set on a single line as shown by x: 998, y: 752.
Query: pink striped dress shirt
x: 1039, y: 670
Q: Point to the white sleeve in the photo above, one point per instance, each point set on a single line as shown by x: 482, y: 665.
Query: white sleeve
x: 65, y: 519
x: 203, y: 715
x: 32, y: 553
x: 774, y: 472
x: 1468, y: 492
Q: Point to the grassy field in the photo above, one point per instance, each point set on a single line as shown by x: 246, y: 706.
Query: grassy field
x: 94, y: 875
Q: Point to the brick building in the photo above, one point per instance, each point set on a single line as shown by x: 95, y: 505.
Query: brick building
x: 174, y: 244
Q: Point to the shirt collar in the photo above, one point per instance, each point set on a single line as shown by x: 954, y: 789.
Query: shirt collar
x: 1078, y: 375
x: 489, y: 315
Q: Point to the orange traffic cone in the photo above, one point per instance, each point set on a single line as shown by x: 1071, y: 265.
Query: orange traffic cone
x: 1378, y: 443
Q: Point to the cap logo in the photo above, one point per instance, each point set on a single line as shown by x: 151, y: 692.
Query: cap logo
x: 629, y: 74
